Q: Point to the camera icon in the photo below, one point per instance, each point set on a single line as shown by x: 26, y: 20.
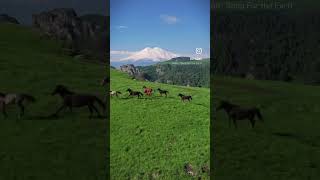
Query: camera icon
x: 198, y: 50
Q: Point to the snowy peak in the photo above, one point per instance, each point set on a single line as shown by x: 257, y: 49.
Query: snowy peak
x: 153, y: 54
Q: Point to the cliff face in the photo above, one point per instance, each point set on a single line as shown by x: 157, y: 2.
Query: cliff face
x: 4, y: 18
x: 270, y: 45
x: 130, y: 69
x: 82, y: 35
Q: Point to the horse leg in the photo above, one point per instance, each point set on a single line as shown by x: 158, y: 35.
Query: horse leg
x: 252, y: 122
x: 4, y: 112
x: 229, y: 122
x: 96, y: 110
x: 235, y: 123
x: 70, y: 108
x: 60, y: 109
x: 20, y: 105
x: 91, y: 111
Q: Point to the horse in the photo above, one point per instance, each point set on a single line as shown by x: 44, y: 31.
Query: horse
x: 134, y: 93
x: 235, y: 112
x: 15, y: 98
x: 184, y: 98
x: 72, y: 99
x: 105, y: 81
x: 147, y: 91
x: 165, y: 92
x: 114, y: 93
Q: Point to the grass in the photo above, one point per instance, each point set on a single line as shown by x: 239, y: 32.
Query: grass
x: 153, y: 137
x: 285, y: 146
x: 35, y: 147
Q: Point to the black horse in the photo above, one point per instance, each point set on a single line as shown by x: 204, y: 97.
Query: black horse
x: 185, y: 98
x: 165, y: 92
x: 72, y: 99
x: 235, y: 112
x: 134, y: 93
x: 15, y: 98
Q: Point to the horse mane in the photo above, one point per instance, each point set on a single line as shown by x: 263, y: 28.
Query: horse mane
x: 2, y: 94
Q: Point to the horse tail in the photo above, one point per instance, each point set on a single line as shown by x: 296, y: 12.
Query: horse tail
x: 258, y: 114
x: 28, y: 97
x: 101, y: 103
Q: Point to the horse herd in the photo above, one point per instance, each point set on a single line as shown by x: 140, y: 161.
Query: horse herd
x: 148, y: 91
x: 72, y: 100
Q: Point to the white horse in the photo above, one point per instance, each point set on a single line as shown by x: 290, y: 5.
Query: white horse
x: 114, y: 93
x: 13, y: 98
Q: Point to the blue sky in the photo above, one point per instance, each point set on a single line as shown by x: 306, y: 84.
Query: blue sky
x: 179, y: 26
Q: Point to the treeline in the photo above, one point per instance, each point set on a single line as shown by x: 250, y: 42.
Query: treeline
x: 192, y: 73
x: 269, y: 45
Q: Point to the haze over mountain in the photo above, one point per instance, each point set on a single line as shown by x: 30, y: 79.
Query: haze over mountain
x: 154, y: 54
x: 146, y: 56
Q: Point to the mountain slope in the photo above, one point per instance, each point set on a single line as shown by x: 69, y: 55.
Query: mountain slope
x: 155, y: 136
x: 154, y: 54
x: 146, y: 56
x: 194, y: 73
x: 37, y: 147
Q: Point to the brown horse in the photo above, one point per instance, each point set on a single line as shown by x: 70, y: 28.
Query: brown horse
x: 72, y: 99
x: 185, y: 98
x: 134, y: 93
x: 235, y: 112
x: 15, y: 98
x: 147, y: 91
x: 165, y: 92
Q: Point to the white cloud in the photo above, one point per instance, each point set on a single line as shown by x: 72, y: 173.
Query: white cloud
x: 121, y: 52
x: 169, y: 19
x: 122, y: 27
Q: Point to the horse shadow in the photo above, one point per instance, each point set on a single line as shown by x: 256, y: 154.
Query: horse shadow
x: 296, y: 137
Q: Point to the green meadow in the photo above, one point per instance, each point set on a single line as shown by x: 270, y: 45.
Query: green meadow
x: 285, y: 146
x: 154, y: 137
x: 37, y: 147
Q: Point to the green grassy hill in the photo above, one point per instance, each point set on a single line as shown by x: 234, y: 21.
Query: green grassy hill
x: 153, y: 137
x: 70, y: 147
x: 285, y: 146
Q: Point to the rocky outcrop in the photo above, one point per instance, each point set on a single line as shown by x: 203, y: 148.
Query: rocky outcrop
x: 82, y: 35
x: 4, y: 18
x: 135, y: 72
x: 130, y: 69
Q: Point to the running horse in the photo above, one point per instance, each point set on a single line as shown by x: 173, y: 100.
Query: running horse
x: 134, y: 93
x: 165, y: 92
x: 184, y: 98
x: 72, y: 99
x: 235, y: 113
x: 147, y: 91
x: 115, y: 93
x: 15, y: 98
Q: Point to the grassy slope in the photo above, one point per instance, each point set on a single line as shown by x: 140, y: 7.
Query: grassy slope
x: 286, y: 146
x: 156, y: 136
x: 71, y: 147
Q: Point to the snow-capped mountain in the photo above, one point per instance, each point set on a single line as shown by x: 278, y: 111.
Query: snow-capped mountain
x: 153, y: 54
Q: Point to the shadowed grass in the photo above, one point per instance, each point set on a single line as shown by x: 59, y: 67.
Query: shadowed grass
x: 285, y: 146
x: 39, y: 146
